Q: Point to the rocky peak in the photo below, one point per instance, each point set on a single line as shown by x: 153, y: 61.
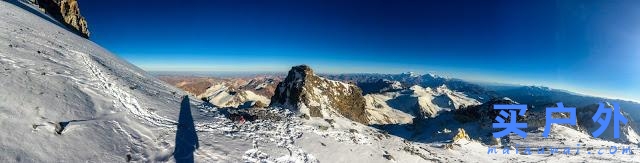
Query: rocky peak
x: 68, y: 13
x: 315, y: 96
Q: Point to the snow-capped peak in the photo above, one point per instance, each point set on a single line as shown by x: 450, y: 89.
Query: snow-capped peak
x: 410, y: 74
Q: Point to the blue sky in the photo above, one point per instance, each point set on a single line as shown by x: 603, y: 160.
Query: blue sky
x: 585, y: 46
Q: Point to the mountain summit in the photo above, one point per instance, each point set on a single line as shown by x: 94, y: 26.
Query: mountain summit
x: 319, y: 97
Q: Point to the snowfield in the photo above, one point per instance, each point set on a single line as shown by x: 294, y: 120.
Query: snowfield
x: 222, y: 96
x: 400, y: 107
x: 66, y: 99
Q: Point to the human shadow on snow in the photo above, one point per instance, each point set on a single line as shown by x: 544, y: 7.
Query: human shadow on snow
x: 186, y: 137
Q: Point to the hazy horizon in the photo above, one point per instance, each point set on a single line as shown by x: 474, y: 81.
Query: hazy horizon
x: 234, y: 74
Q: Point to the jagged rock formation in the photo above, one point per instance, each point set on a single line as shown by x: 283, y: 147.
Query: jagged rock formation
x: 319, y: 97
x: 68, y: 13
x: 461, y: 135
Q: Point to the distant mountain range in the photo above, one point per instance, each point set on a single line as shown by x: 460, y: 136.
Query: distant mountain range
x: 412, y: 99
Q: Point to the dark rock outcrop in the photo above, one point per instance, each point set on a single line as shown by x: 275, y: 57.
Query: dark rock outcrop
x: 317, y: 96
x: 68, y: 13
x: 380, y: 86
x: 586, y: 124
x: 483, y: 114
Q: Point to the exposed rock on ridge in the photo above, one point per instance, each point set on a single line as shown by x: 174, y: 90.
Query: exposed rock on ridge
x: 68, y: 13
x: 319, y: 97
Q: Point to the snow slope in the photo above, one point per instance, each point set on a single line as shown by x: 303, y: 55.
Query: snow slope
x: 65, y: 99
x: 400, y: 107
x: 380, y: 112
x: 431, y: 101
x: 222, y: 96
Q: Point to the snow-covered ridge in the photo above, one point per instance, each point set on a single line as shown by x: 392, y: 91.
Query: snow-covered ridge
x: 241, y: 92
x: 400, y: 107
x: 222, y: 96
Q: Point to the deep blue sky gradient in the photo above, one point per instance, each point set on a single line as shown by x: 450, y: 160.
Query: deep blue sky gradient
x: 584, y: 46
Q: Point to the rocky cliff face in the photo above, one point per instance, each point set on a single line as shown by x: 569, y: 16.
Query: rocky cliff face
x: 319, y: 97
x: 68, y: 13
